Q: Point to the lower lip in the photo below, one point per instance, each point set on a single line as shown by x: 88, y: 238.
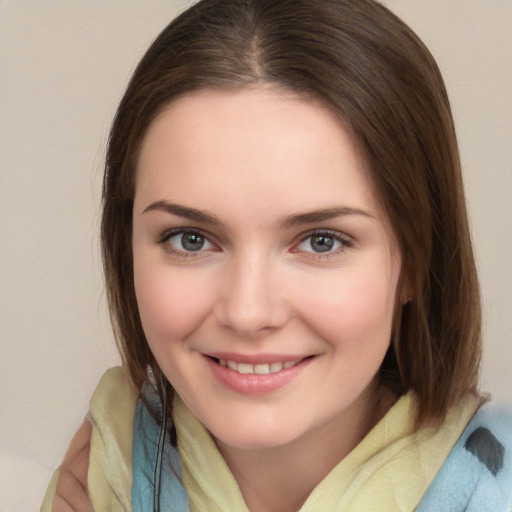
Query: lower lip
x: 254, y: 384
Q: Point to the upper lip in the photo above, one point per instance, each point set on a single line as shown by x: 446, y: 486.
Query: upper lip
x: 256, y: 358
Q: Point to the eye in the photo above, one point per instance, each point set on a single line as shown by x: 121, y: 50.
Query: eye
x: 323, y: 242
x: 184, y: 241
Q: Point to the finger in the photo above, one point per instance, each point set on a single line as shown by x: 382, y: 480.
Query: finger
x: 59, y: 504
x: 76, y: 459
x: 70, y: 494
x: 81, y: 438
x: 78, y: 466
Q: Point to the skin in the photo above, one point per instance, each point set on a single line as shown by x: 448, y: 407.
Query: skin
x: 253, y: 162
x: 71, y: 491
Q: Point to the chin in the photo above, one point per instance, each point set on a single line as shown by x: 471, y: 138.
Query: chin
x: 249, y: 433
x: 254, y: 440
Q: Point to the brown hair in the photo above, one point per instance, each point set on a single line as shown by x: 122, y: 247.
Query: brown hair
x: 367, y: 66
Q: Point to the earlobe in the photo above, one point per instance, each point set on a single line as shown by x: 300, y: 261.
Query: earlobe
x: 406, y: 293
x: 405, y: 299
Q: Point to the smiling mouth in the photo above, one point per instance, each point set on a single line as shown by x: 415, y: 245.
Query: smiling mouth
x: 256, y: 375
x: 258, y: 369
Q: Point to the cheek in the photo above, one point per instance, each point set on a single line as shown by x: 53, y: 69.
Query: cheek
x: 353, y: 311
x: 172, y: 304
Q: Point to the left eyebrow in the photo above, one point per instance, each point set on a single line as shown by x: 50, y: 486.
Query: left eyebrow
x: 321, y: 215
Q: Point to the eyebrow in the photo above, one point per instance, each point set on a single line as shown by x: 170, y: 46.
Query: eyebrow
x: 321, y: 215
x: 184, y: 211
x: 288, y: 221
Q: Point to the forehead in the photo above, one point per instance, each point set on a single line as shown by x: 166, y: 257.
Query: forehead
x: 252, y: 143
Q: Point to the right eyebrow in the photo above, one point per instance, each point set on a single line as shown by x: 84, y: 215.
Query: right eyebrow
x: 183, y: 211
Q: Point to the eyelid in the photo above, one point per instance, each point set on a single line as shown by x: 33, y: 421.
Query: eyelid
x: 169, y: 233
x: 346, y: 241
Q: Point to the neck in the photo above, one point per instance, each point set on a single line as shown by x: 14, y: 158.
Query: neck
x: 280, y: 478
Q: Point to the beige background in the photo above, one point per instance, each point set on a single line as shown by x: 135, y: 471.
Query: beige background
x: 63, y: 67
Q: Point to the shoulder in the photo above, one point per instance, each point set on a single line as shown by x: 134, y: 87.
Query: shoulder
x: 477, y: 475
x: 112, y: 411
x: 113, y: 394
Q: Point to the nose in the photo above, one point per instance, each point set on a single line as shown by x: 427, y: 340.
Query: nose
x: 252, y: 299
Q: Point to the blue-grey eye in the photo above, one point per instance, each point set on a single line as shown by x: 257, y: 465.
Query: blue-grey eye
x: 189, y: 242
x: 320, y: 243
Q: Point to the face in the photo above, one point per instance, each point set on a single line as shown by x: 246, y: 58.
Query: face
x: 265, y: 269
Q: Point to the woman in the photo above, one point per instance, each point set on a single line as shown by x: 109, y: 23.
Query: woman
x: 290, y: 275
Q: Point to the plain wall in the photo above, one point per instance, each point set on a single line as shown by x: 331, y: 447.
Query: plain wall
x: 63, y: 68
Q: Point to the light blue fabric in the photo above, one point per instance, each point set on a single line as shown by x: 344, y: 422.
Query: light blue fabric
x: 477, y: 475
x: 173, y: 497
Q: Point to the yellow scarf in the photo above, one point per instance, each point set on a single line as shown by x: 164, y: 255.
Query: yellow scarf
x: 389, y: 470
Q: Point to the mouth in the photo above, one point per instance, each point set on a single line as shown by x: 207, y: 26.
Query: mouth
x: 256, y: 375
x: 257, y: 369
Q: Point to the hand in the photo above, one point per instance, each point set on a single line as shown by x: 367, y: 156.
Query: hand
x: 71, y: 492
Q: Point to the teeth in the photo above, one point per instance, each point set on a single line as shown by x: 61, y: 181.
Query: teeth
x: 261, y: 369
x: 245, y: 368
x: 258, y: 369
x: 277, y: 367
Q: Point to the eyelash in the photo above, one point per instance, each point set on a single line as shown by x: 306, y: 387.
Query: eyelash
x: 344, y: 241
x: 167, y: 235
